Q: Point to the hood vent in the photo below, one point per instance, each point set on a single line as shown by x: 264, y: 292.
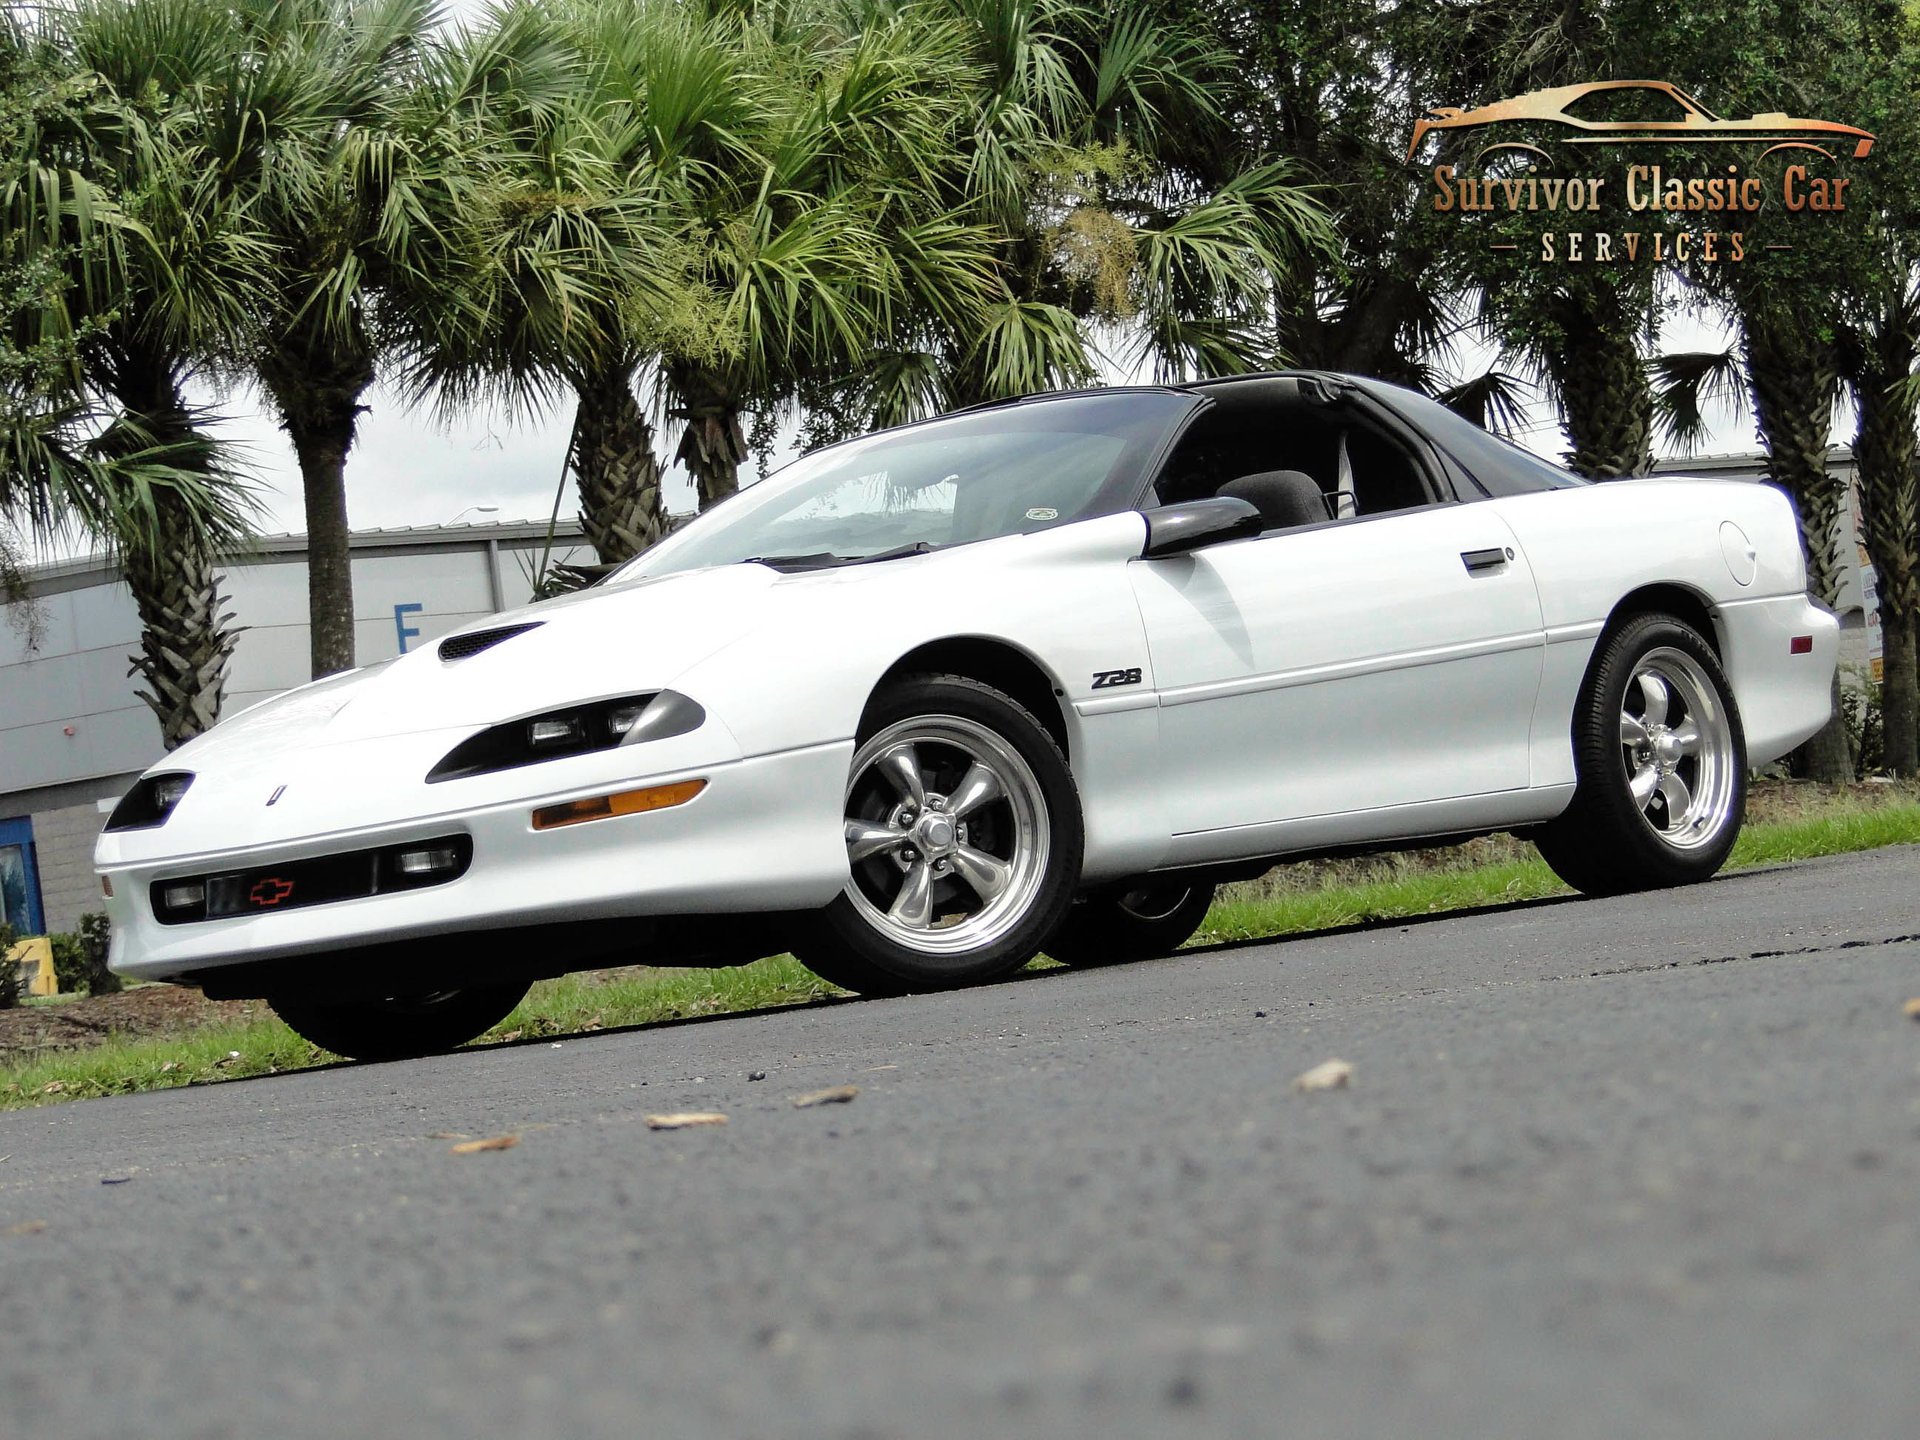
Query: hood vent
x: 460, y: 647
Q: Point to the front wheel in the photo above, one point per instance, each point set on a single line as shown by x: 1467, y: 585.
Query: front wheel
x: 1139, y: 920
x: 963, y: 836
x: 1662, y: 765
x: 399, y: 1027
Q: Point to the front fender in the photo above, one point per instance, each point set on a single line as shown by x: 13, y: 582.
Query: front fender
x: 1060, y: 597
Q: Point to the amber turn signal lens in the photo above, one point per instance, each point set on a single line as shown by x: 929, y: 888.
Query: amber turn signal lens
x: 624, y: 802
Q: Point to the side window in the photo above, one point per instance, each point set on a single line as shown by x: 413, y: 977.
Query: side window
x: 1222, y: 448
x: 1359, y: 470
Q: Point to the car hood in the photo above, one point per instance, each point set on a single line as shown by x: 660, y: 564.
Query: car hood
x: 589, y: 645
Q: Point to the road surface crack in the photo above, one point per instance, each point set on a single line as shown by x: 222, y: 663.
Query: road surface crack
x: 1756, y: 955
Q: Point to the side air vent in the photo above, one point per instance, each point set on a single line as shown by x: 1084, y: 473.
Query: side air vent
x: 460, y: 647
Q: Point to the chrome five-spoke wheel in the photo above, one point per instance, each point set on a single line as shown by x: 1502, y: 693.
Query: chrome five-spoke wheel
x: 946, y: 834
x: 963, y: 835
x: 1661, y: 764
x: 1678, y: 746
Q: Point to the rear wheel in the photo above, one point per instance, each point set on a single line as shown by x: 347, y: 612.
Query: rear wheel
x: 963, y: 837
x: 398, y: 1027
x: 1138, y: 920
x: 1662, y: 765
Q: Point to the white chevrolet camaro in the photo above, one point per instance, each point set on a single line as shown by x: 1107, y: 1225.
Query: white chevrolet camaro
x: 1035, y: 676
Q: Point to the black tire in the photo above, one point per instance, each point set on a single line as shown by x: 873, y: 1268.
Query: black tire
x: 1611, y: 842
x: 399, y: 1027
x: 1139, y: 920
x: 858, y: 944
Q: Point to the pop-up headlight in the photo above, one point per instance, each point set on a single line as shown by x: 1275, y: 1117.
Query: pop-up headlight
x: 150, y: 801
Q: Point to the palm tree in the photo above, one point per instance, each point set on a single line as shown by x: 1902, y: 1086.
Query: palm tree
x: 593, y: 124
x: 734, y: 204
x: 344, y: 178
x: 142, y: 271
x: 831, y: 236
x: 1102, y: 151
x: 1787, y: 363
x: 560, y: 258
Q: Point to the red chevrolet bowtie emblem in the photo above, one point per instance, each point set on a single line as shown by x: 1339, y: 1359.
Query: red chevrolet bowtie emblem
x: 270, y: 891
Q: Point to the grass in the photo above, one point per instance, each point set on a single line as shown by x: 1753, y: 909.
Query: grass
x: 1789, y: 823
x: 1500, y: 869
x: 570, y: 1005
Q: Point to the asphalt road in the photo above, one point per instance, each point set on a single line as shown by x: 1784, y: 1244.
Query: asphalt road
x: 1625, y: 1168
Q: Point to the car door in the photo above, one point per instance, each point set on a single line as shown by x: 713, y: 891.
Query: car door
x: 1381, y: 661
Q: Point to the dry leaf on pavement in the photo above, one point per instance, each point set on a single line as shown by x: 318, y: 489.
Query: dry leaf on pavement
x: 1328, y: 1075
x: 832, y: 1095
x: 685, y: 1120
x: 492, y: 1142
x: 27, y: 1227
x: 1912, y: 1008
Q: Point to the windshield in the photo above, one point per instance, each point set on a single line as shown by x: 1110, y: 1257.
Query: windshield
x: 977, y: 476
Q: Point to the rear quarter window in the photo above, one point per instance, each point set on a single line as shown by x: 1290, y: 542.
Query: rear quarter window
x: 1496, y: 466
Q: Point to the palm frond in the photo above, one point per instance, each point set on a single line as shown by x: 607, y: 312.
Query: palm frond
x: 1685, y: 384
x: 1495, y: 400
x: 1027, y: 345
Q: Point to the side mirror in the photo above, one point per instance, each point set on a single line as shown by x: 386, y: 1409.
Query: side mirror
x: 1176, y: 529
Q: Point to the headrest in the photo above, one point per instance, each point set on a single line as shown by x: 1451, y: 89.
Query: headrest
x: 1284, y: 498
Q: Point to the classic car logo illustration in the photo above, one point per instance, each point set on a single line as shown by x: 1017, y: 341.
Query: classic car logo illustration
x: 1668, y: 114
x: 270, y: 891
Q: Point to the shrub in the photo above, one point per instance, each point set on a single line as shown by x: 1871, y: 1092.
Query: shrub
x: 93, y: 935
x: 10, y: 987
x: 1862, y: 710
x: 69, y: 963
x: 80, y: 959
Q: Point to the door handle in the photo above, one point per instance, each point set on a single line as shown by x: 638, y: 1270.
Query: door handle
x: 1481, y: 561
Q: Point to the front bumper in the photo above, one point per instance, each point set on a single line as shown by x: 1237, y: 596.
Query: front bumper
x: 765, y: 835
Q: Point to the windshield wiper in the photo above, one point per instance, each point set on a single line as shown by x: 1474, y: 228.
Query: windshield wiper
x: 818, y: 560
x: 826, y: 559
x: 918, y: 547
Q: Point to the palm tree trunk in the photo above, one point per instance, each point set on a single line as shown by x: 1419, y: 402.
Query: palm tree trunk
x: 713, y: 447
x: 1899, y: 690
x: 319, y: 404
x: 1885, y: 450
x: 184, y: 640
x: 611, y: 456
x: 1793, y: 373
x: 1604, y: 393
